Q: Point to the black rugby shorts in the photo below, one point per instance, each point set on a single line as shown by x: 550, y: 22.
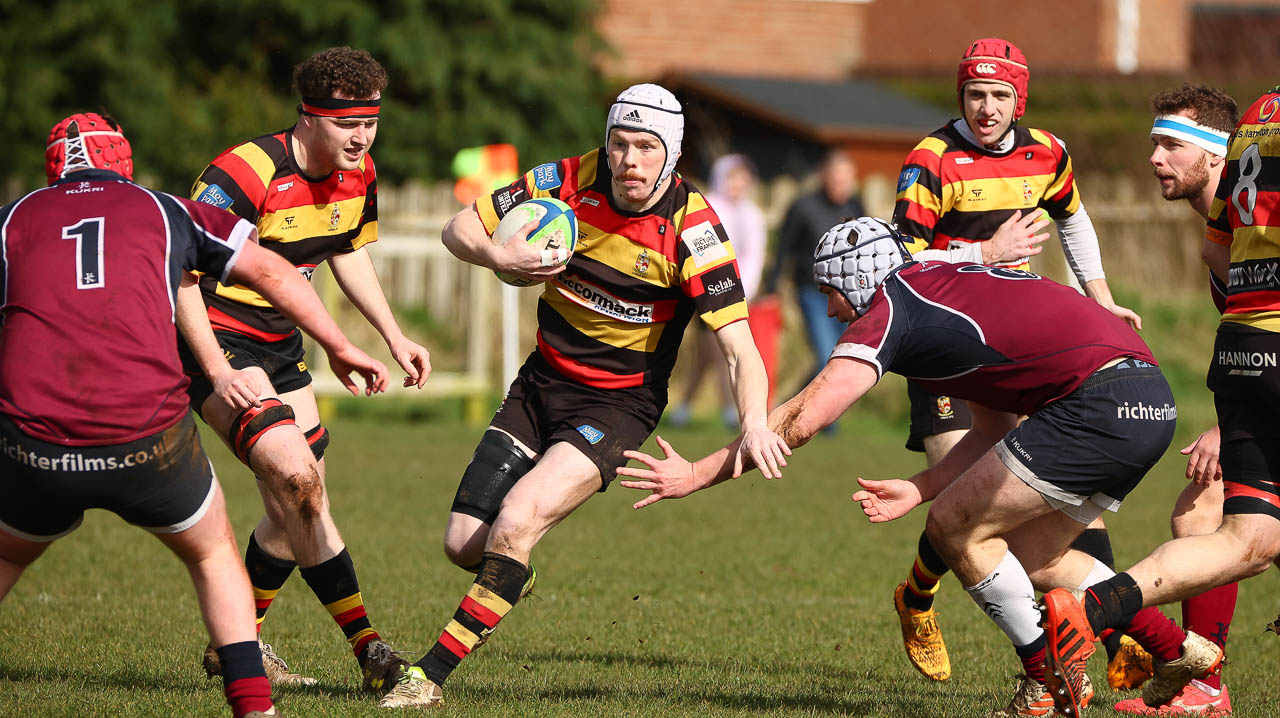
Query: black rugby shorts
x: 282, y: 360
x: 1086, y: 451
x: 543, y: 407
x: 932, y: 414
x: 1245, y: 380
x: 162, y: 482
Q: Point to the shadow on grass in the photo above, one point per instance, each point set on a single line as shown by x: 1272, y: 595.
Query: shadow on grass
x: 132, y: 679
x: 828, y: 691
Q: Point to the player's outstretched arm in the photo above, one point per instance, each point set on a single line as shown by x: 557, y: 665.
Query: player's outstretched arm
x: 841, y: 383
x: 466, y: 238
x: 358, y: 280
x: 887, y: 500
x: 750, y: 384
x: 279, y: 282
x: 238, y: 389
x: 673, y: 476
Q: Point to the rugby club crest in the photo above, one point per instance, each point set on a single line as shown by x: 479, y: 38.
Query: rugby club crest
x: 944, y: 408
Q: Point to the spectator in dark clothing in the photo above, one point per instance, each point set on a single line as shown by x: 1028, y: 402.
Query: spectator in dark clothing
x: 807, y: 219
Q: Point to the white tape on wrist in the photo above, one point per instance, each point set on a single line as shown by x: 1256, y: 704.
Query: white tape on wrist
x: 554, y: 257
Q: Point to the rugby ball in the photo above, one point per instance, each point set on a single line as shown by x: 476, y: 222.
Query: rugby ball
x: 556, y: 235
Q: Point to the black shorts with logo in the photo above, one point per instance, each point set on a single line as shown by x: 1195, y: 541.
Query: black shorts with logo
x: 162, y: 482
x: 282, y: 360
x: 932, y: 414
x: 1094, y: 445
x: 1245, y: 381
x: 544, y: 407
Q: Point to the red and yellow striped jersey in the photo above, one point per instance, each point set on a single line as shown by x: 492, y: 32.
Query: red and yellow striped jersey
x: 615, y: 317
x: 952, y: 192
x: 1246, y: 215
x: 304, y: 219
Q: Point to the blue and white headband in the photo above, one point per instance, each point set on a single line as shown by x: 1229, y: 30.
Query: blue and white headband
x: 1188, y: 130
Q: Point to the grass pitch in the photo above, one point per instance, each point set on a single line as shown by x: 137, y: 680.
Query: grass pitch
x: 755, y: 598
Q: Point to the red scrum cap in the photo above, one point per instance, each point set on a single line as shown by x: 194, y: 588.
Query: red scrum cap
x: 994, y: 60
x: 87, y: 141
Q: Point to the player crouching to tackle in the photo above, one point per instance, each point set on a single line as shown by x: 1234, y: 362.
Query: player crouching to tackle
x: 1009, y: 498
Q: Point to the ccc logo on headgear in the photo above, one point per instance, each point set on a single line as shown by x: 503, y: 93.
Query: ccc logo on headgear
x: 985, y: 68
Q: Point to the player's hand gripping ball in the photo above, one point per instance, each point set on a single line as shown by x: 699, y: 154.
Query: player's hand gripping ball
x: 556, y: 235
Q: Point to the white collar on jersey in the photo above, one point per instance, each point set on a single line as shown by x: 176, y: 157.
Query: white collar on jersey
x: 1004, y: 145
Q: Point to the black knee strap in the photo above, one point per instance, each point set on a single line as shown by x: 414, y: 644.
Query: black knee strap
x: 318, y: 440
x: 250, y: 424
x: 495, y: 467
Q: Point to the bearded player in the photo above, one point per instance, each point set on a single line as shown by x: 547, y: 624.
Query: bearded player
x: 1190, y: 132
x: 1245, y: 381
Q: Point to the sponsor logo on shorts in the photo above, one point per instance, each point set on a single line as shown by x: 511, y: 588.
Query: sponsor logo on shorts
x: 591, y: 433
x: 909, y: 177
x: 302, y: 366
x: 1246, y: 363
x: 214, y: 195
x: 595, y: 298
x: 72, y: 460
x: 307, y: 271
x: 944, y: 408
x: 1146, y: 412
x: 1021, y: 451
x: 704, y: 244
x: 546, y: 176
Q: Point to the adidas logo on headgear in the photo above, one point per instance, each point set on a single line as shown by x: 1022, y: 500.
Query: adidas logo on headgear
x: 632, y: 116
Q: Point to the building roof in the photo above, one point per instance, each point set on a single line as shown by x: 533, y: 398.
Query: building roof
x: 826, y: 111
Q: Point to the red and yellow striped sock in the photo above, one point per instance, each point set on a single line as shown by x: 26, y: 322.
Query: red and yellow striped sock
x: 923, y: 581
x: 496, y: 590
x: 334, y: 583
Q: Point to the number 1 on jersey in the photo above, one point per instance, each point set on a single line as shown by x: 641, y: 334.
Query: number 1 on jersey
x: 88, y: 236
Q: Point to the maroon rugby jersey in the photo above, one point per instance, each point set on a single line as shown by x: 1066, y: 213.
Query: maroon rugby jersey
x: 89, y: 269
x: 1007, y: 339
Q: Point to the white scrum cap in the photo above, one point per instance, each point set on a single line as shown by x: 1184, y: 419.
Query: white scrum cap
x: 650, y: 108
x: 855, y: 258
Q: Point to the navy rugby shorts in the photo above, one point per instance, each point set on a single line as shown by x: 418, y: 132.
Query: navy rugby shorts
x: 163, y: 483
x: 1085, y: 452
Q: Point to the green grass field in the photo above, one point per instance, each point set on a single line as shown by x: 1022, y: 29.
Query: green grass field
x: 756, y: 598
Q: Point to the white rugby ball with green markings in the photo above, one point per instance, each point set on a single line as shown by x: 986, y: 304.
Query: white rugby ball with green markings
x: 556, y: 235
